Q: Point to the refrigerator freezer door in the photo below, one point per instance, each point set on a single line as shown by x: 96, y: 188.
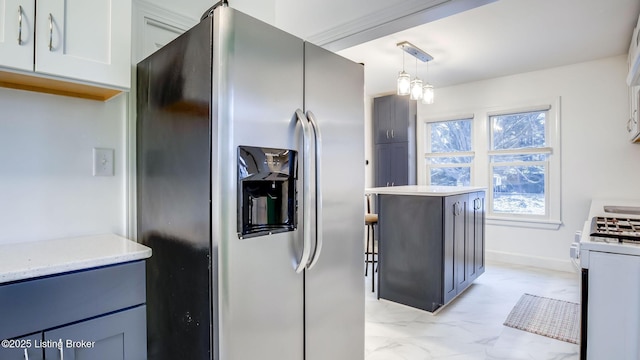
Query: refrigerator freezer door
x: 334, y: 289
x: 173, y: 184
x: 259, y: 75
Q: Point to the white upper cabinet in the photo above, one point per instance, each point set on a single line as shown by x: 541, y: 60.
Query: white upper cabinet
x: 16, y: 33
x: 86, y: 40
x: 81, y: 41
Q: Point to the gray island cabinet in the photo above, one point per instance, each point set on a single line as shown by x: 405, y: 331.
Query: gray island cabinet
x: 73, y: 299
x: 431, y: 244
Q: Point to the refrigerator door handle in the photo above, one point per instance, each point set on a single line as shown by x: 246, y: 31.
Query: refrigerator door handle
x: 318, y: 187
x: 306, y: 192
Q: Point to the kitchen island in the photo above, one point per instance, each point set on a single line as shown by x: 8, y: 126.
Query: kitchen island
x: 431, y: 244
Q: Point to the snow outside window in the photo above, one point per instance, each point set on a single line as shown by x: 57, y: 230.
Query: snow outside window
x: 519, y: 164
x: 449, y: 155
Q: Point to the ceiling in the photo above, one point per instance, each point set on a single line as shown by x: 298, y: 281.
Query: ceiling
x: 501, y: 38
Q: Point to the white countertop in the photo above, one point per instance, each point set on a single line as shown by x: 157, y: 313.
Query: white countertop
x: 40, y: 258
x: 423, y: 190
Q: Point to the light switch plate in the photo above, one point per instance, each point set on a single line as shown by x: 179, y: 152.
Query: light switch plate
x: 102, y: 162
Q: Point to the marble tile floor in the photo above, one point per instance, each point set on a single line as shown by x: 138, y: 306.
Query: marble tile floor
x: 470, y: 327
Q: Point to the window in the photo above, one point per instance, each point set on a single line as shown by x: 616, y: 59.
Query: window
x: 519, y: 164
x: 513, y: 152
x: 449, y: 152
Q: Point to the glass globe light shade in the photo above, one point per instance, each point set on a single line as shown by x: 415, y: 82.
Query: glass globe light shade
x: 416, y: 89
x: 404, y: 83
x: 427, y: 94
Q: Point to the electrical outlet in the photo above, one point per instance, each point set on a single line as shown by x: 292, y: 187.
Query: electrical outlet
x: 102, y: 162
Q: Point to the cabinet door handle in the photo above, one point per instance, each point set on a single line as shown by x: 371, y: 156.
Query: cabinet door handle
x: 387, y: 184
x: 26, y: 355
x: 20, y: 29
x: 392, y: 135
x: 387, y: 134
x: 393, y: 183
x: 50, y: 32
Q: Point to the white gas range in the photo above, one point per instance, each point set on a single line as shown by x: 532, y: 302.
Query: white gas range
x: 609, y: 254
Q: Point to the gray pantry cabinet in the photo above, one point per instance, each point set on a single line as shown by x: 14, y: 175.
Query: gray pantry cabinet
x: 100, y: 312
x: 394, y: 122
x: 433, y: 247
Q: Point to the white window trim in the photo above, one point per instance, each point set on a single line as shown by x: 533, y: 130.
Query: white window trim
x: 480, y: 175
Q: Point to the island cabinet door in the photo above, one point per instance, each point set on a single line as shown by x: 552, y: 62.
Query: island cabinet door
x: 453, y: 236
x: 477, y: 232
x: 117, y: 336
x: 461, y: 243
x: 471, y: 266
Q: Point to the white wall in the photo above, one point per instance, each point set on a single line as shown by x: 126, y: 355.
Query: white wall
x: 597, y: 159
x: 47, y: 190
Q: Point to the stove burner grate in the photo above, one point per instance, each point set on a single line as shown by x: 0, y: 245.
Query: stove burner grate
x: 617, y: 228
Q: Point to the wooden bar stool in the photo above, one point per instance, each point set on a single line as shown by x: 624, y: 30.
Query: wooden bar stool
x: 370, y: 220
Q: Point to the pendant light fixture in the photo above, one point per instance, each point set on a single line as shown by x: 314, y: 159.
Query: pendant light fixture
x: 414, y: 88
x: 427, y: 91
x: 404, y: 81
x: 427, y: 94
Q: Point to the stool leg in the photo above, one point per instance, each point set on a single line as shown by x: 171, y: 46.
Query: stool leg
x: 366, y: 255
x: 373, y: 231
x: 373, y: 262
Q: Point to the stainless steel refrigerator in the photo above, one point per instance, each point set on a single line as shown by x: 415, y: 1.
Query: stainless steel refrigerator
x: 250, y: 183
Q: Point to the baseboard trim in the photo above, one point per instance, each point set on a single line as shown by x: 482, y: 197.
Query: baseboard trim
x: 534, y: 261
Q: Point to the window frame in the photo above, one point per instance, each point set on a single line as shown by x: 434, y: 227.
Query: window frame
x: 428, y: 155
x: 481, y: 172
x: 547, y: 150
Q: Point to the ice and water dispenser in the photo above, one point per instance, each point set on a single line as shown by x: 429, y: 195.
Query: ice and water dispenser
x: 266, y: 191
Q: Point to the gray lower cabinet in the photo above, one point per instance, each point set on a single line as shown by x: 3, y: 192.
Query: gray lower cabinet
x: 22, y: 348
x: 117, y: 336
x: 431, y: 247
x: 96, y: 313
x: 456, y: 245
x: 476, y: 229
